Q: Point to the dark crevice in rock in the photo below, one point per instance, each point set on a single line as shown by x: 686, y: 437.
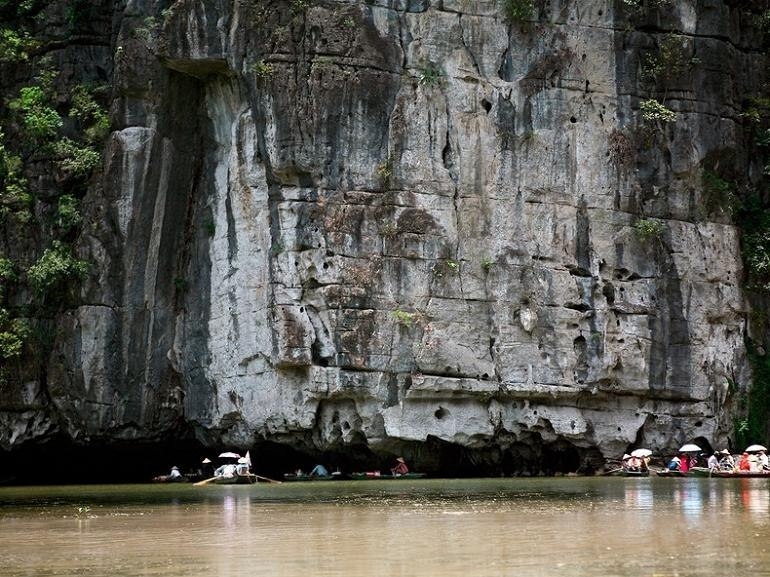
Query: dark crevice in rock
x: 608, y: 290
x: 582, y: 238
x: 505, y: 70
x: 579, y: 271
x: 393, y: 395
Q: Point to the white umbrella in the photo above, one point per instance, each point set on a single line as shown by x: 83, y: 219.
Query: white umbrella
x: 641, y: 453
x: 755, y: 448
x: 690, y: 448
x: 229, y: 455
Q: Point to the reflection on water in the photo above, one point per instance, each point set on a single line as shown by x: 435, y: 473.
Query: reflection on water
x: 700, y: 499
x: 504, y: 527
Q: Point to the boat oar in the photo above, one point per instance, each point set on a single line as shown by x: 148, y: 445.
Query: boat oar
x: 613, y: 471
x: 204, y: 482
x: 268, y: 479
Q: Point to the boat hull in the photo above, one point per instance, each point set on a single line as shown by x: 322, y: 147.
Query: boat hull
x: 294, y: 478
x: 167, y: 479
x: 376, y: 475
x: 635, y: 473
x: 742, y: 475
x: 704, y: 472
x: 249, y: 479
x: 670, y: 473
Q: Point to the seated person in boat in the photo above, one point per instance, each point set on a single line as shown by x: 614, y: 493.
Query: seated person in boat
x: 319, y: 471
x: 400, y: 468
x: 228, y: 471
x: 674, y: 463
x: 713, y: 462
x: 763, y: 461
x: 243, y: 466
x: 726, y: 463
x: 624, y: 462
x: 744, y: 465
x: 173, y: 477
x: 634, y: 464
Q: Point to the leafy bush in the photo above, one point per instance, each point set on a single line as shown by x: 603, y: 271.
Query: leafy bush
x: 262, y: 69
x: 10, y: 345
x: 653, y: 111
x: 13, y: 334
x: 74, y: 159
x: 55, y: 267
x: 430, y: 75
x: 671, y: 60
x: 518, y: 10
x: 147, y: 32
x: 404, y: 318
x: 15, y: 198
x: 83, y: 107
x: 40, y: 120
x: 648, y: 229
x: 21, y: 8
x: 68, y: 212
x: 15, y: 46
x: 754, y: 221
x: 7, y: 270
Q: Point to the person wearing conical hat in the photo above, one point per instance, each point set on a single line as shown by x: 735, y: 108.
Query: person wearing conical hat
x: 242, y: 468
x: 400, y: 468
x: 674, y: 464
x: 762, y: 461
x: 726, y: 462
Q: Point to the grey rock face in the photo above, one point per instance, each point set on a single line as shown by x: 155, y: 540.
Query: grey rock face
x: 388, y: 223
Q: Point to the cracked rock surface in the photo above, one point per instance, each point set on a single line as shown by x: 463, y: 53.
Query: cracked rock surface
x: 399, y: 224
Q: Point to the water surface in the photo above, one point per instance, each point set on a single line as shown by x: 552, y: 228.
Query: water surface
x: 485, y: 528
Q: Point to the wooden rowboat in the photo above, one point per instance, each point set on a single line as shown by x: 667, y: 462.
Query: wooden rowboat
x: 376, y: 475
x: 293, y: 477
x: 244, y: 479
x: 670, y: 473
x: 706, y: 472
x: 631, y: 473
x: 742, y: 474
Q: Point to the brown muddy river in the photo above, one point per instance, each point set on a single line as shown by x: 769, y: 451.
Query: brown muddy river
x: 448, y: 528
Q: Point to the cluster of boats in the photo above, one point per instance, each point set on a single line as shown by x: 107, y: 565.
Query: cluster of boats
x: 753, y: 463
x: 364, y: 476
x: 706, y: 472
x: 235, y: 470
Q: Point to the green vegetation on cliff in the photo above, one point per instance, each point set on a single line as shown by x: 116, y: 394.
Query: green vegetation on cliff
x: 51, y: 135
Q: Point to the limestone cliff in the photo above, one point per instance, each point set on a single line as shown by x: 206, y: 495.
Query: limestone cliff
x: 403, y: 226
